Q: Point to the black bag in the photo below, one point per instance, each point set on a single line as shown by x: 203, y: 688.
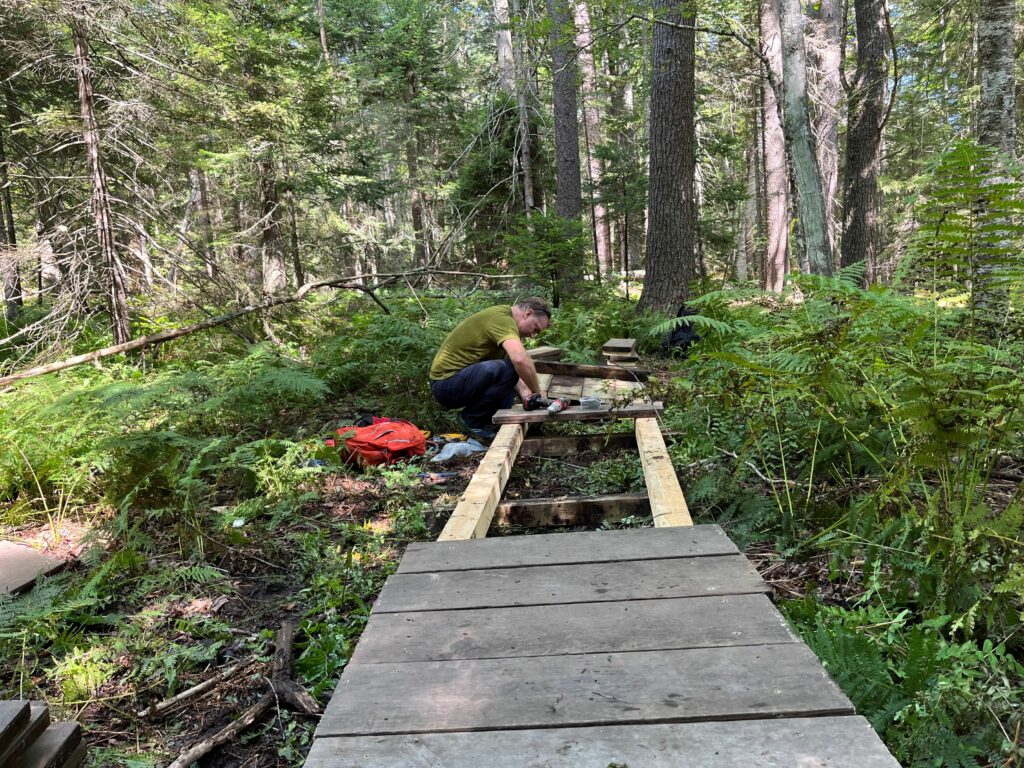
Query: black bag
x: 682, y: 337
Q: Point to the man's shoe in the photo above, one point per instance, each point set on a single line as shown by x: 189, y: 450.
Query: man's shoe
x: 483, y: 435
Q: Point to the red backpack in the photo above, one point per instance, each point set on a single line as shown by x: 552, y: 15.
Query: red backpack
x: 383, y: 442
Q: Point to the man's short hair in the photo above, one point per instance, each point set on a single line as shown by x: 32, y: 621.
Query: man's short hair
x: 538, y: 305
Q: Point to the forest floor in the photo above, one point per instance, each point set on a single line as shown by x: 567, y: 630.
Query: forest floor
x: 266, y: 582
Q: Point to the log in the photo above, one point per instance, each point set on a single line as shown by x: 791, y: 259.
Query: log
x: 159, y: 708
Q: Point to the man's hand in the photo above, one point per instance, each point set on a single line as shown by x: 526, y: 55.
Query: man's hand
x: 535, y: 402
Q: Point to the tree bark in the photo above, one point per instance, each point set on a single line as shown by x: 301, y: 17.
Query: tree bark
x: 503, y: 46
x: 592, y: 133
x: 293, y: 241
x: 523, y: 94
x: 997, y: 82
x: 867, y: 100
x: 672, y: 221
x: 568, y: 195
x: 201, y: 195
x: 10, y: 280
x: 773, y: 153
x: 797, y: 120
x: 113, y: 277
x: 274, y: 269
x: 827, y: 24
x: 412, y: 157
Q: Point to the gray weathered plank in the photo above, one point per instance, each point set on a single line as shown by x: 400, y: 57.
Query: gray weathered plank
x: 20, y: 566
x: 516, y: 414
x: 551, y: 630
x: 13, y: 718
x: 820, y: 742
x: 54, y: 747
x: 586, y: 582
x: 738, y: 683
x: 16, y: 743
x: 567, y: 548
x: 589, y: 371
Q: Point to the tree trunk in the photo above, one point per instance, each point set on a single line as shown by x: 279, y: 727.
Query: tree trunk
x: 293, y: 241
x: 275, y: 272
x: 996, y: 126
x: 672, y: 222
x: 592, y: 133
x: 861, y: 196
x: 568, y: 195
x: 825, y: 59
x: 525, y: 137
x: 503, y: 45
x: 796, y: 116
x: 412, y: 158
x: 113, y: 277
x: 773, y: 154
x: 201, y: 195
x: 11, y: 281
x: 322, y: 26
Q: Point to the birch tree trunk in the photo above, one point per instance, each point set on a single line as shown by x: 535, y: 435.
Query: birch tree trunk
x: 503, y: 46
x: 671, y: 227
x: 773, y: 154
x: 592, y: 133
x: 568, y: 194
x: 996, y: 79
x: 112, y: 270
x: 796, y: 116
x: 861, y: 196
x: 824, y: 53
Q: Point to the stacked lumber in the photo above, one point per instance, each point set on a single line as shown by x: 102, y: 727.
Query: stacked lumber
x: 621, y: 353
x: 29, y: 740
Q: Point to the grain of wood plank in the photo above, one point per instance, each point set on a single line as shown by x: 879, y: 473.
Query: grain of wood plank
x: 668, y: 505
x: 556, y: 584
x: 567, y: 549
x: 546, y: 353
x: 54, y: 747
x: 565, y: 387
x: 20, y: 566
x: 595, y: 371
x: 517, y: 415
x: 737, y: 683
x: 472, y: 516
x: 580, y: 510
x: 13, y: 718
x: 544, y: 381
x: 619, y: 347
x: 820, y: 742
x: 16, y: 743
x: 557, y: 630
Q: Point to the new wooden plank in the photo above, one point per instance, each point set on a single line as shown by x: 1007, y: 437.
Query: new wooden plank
x: 472, y: 515
x: 746, y: 682
x: 555, y: 630
x: 619, y: 347
x: 544, y: 380
x: 580, y: 510
x: 668, y: 505
x: 556, y: 584
x: 594, y: 371
x: 546, y: 353
x: 565, y: 387
x: 820, y: 742
x: 39, y: 719
x: 567, y: 549
x: 20, y: 566
x: 54, y: 747
x: 516, y: 414
x: 13, y: 718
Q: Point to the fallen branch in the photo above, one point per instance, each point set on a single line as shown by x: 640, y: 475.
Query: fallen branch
x: 344, y: 283
x: 159, y: 708
x: 282, y: 687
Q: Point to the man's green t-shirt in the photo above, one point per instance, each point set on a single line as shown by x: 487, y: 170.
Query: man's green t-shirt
x: 479, y: 337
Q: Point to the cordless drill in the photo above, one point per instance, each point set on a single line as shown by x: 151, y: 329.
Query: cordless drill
x: 536, y: 402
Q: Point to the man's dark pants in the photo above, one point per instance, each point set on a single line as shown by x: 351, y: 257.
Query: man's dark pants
x: 479, y: 390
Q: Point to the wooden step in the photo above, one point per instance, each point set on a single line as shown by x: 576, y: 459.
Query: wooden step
x: 14, y: 743
x: 619, y: 347
x: 20, y: 566
x: 13, y: 718
x: 55, y: 748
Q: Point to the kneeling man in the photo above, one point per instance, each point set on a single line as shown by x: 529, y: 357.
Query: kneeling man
x: 482, y: 362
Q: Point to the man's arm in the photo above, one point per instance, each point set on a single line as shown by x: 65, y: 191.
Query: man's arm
x: 523, y: 363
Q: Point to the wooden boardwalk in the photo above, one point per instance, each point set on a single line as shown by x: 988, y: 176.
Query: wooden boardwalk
x: 640, y: 648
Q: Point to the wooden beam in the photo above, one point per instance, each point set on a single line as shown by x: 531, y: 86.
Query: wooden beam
x: 585, y: 510
x: 546, y: 353
x: 619, y: 347
x: 517, y: 415
x: 668, y: 505
x: 472, y: 515
x: 591, y: 371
